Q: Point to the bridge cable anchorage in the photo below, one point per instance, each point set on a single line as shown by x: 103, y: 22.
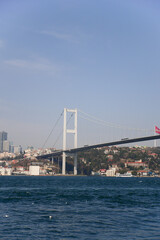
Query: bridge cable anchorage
x: 52, y: 129
x: 62, y: 131
x: 108, y: 124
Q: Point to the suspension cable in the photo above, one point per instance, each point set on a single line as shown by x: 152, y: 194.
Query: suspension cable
x: 52, y: 129
x: 108, y: 124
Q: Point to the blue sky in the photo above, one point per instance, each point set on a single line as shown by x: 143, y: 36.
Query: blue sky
x: 102, y: 57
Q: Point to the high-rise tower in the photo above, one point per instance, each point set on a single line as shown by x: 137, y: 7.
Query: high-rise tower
x: 3, y: 137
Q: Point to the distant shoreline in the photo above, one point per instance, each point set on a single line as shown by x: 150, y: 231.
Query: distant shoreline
x: 72, y: 175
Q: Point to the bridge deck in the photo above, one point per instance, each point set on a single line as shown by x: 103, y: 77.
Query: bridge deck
x: 85, y: 148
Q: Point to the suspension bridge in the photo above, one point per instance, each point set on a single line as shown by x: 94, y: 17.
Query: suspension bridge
x: 73, y: 151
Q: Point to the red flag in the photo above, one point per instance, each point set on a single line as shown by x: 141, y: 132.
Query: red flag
x: 157, y: 130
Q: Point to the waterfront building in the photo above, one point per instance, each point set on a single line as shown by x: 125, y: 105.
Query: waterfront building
x: 143, y: 173
x: 102, y: 171
x: 3, y: 137
x: 5, y: 171
x: 111, y: 172
x: 34, y: 170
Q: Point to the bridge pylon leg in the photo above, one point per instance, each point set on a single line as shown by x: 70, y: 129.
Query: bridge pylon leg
x: 64, y: 163
x: 75, y: 164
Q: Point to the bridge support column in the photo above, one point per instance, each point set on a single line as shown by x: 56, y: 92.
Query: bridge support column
x: 64, y: 163
x: 58, y: 164
x: 75, y: 164
x: 71, y: 131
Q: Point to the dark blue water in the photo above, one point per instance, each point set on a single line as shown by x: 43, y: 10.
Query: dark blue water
x: 79, y: 208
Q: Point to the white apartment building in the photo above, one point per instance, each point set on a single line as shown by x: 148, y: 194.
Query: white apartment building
x: 111, y: 172
x: 5, y: 171
x: 34, y: 170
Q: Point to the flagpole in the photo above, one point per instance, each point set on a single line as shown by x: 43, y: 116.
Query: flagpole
x: 155, y: 141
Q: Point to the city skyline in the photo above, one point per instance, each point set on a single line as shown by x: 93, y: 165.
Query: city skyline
x: 100, y: 57
x: 6, y: 145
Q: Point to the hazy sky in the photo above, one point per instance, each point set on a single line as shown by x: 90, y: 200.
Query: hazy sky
x: 102, y: 57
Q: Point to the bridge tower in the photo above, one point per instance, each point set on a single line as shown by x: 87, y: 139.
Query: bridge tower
x: 71, y: 131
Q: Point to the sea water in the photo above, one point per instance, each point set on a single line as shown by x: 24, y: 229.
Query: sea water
x: 59, y: 207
